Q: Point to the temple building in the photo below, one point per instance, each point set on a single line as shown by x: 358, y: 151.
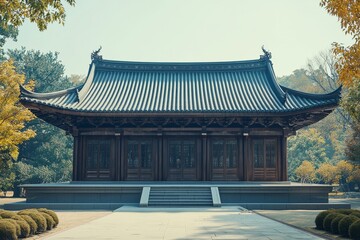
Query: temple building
x: 204, y: 121
x: 203, y: 133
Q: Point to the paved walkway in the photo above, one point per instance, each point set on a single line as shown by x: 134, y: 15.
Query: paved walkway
x: 182, y: 223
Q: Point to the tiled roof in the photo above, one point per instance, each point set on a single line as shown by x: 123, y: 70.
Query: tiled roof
x: 136, y: 87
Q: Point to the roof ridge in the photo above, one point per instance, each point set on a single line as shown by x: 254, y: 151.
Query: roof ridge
x: 179, y: 66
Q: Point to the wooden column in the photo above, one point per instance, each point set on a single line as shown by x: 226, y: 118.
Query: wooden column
x: 240, y: 145
x: 122, y: 158
x: 76, y: 160
x: 159, y: 157
x: 247, y: 161
x: 205, y: 174
x: 118, y: 152
x: 284, y: 163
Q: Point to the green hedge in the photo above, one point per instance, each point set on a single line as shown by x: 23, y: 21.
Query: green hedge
x: 319, y: 220
x: 328, y: 219
x: 345, y: 224
x: 37, y: 217
x: 26, y: 223
x: 335, y: 223
x: 31, y: 222
x: 338, y: 221
x: 354, y: 230
x: 51, y: 213
x: 7, y: 230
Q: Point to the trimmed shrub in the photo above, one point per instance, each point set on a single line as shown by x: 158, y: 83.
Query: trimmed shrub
x: 7, y: 230
x: 354, y: 230
x: 327, y: 221
x: 31, y: 222
x: 17, y: 217
x: 24, y: 227
x: 319, y: 220
x: 50, y: 223
x: 7, y: 214
x: 345, y: 223
x: 345, y: 211
x: 356, y: 214
x: 51, y: 213
x: 17, y: 226
x: 335, y: 223
x: 37, y: 217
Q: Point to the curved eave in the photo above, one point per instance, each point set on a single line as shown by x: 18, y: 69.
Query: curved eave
x: 281, y: 102
x: 31, y: 104
x: 334, y: 95
x: 24, y: 93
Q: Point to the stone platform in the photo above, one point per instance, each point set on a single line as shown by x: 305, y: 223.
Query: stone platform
x: 112, y: 195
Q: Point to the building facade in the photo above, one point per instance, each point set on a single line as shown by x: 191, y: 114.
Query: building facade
x: 220, y: 121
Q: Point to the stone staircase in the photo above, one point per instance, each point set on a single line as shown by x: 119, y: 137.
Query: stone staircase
x: 180, y: 196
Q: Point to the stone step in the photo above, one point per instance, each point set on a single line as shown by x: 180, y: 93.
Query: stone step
x: 172, y: 196
x: 180, y: 193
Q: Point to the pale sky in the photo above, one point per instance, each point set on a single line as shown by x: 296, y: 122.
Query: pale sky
x: 294, y: 31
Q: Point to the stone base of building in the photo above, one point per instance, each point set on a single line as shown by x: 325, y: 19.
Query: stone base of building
x: 112, y: 195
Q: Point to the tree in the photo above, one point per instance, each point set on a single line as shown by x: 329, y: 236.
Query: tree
x: 39, y: 157
x: 348, y: 57
x: 353, y: 144
x: 327, y: 173
x: 344, y: 172
x: 7, y: 178
x: 5, y: 33
x: 13, y: 115
x: 306, y: 172
x: 306, y: 145
x: 14, y: 12
x: 45, y: 68
x: 351, y: 100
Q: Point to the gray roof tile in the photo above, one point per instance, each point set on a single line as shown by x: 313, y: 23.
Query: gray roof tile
x: 135, y: 87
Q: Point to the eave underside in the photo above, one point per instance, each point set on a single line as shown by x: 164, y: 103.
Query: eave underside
x: 69, y: 120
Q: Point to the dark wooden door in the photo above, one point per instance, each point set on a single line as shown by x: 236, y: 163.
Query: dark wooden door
x: 224, y: 159
x: 265, y: 159
x: 182, y: 160
x: 140, y: 158
x: 99, y: 158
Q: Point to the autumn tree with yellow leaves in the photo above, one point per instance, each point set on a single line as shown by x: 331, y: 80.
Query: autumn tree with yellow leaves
x: 306, y: 172
x: 12, y: 114
x: 13, y: 117
x: 348, y: 62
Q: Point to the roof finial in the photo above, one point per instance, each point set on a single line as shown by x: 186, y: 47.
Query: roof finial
x: 267, y: 54
x: 95, y: 55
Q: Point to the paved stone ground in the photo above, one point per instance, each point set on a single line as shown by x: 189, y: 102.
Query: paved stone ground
x: 180, y: 223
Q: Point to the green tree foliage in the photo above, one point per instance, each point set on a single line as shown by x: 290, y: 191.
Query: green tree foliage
x: 6, y: 33
x: 353, y: 144
x: 7, y: 178
x: 44, y: 68
x: 327, y: 142
x: 48, y: 156
x: 351, y: 100
x: 306, y: 145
